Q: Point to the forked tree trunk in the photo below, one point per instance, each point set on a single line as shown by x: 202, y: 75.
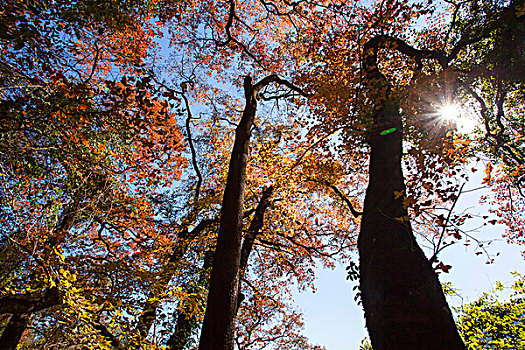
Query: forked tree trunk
x: 405, y: 307
x: 219, y: 320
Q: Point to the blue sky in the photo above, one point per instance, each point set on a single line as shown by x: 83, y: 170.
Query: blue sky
x: 334, y: 320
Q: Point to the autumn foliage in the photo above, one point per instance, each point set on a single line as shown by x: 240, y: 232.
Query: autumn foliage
x: 139, y: 140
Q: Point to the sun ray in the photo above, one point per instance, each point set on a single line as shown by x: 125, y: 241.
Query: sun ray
x: 450, y: 111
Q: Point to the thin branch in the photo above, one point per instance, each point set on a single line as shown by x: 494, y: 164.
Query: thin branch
x: 95, y: 64
x: 230, y: 38
x: 104, y: 331
x: 192, y: 148
x: 274, y: 78
x: 189, y: 117
x: 438, y: 249
x: 341, y: 195
x: 228, y: 26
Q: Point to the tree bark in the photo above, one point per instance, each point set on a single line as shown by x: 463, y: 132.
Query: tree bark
x: 22, y: 306
x: 219, y: 320
x: 29, y: 302
x: 405, y: 307
x: 186, y: 322
x: 13, y: 331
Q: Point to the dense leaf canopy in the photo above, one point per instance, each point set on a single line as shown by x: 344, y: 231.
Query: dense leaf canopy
x: 140, y: 138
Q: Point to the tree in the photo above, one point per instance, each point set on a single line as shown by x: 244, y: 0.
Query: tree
x: 489, y: 322
x: 218, y: 326
x: 403, y: 302
x: 102, y: 144
x: 394, y: 272
x: 83, y: 157
x: 498, y: 74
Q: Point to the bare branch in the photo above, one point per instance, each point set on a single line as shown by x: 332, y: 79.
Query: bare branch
x: 230, y: 38
x: 274, y: 78
x: 341, y: 195
x: 438, y: 249
x: 192, y: 148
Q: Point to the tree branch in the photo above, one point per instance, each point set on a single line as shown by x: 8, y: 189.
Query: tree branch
x: 230, y: 38
x: 192, y: 148
x: 29, y: 302
x: 256, y: 225
x: 274, y: 78
x: 147, y: 317
x: 341, y: 195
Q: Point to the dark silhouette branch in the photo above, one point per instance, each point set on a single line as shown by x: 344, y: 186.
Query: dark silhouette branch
x: 29, y: 302
x: 192, y: 148
x: 105, y: 332
x: 230, y: 38
x: 342, y: 196
x: 438, y: 247
x: 252, y: 233
x: 274, y: 78
x: 147, y: 317
x: 189, y: 117
x: 13, y: 331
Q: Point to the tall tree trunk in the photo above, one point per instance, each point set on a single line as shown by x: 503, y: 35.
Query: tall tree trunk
x: 187, y: 322
x: 219, y: 320
x: 405, y: 307
x: 13, y: 331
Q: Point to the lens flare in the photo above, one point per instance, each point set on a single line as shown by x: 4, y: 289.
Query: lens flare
x: 450, y: 112
x: 464, y: 121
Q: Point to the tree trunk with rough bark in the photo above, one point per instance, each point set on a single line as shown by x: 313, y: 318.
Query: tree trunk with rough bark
x: 405, y: 307
x: 219, y: 320
x: 13, y: 331
x: 22, y: 306
x: 186, y: 322
x: 219, y: 326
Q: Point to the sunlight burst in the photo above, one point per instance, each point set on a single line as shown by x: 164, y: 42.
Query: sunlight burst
x: 464, y: 121
x: 450, y: 112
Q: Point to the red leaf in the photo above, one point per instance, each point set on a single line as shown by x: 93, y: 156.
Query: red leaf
x: 443, y: 267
